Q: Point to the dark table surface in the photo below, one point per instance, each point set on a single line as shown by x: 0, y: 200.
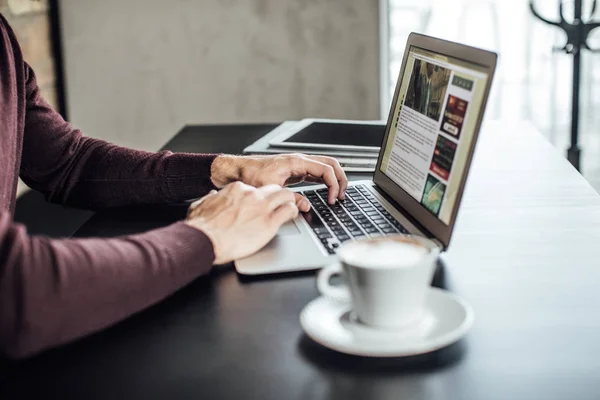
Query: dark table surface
x: 524, y: 255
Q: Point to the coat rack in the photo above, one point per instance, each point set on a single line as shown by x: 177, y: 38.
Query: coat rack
x: 577, y: 35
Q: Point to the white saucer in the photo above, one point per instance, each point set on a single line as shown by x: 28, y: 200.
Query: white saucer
x: 446, y: 319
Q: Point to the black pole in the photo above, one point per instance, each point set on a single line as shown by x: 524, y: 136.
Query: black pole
x: 574, y: 152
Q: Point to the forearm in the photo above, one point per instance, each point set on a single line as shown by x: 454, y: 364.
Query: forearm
x: 96, y: 174
x: 52, y: 292
x: 114, y: 176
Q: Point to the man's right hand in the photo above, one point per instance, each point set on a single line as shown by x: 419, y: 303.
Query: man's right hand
x: 240, y: 219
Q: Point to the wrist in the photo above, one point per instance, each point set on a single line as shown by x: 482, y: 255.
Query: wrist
x: 224, y: 170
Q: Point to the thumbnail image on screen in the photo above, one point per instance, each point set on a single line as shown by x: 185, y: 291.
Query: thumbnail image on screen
x: 433, y: 194
x: 454, y: 116
x: 443, y: 156
x: 427, y: 88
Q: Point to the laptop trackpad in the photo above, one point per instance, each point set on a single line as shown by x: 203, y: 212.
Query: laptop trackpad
x: 289, y: 228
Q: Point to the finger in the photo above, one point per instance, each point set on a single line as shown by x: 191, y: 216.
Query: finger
x: 308, y: 166
x: 269, y: 189
x: 284, y: 213
x: 278, y: 198
x: 302, y: 203
x: 237, y: 187
x: 338, y: 170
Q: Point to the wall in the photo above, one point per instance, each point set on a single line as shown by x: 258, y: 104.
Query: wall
x: 138, y: 70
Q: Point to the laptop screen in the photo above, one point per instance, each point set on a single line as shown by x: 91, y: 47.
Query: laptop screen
x: 432, y: 128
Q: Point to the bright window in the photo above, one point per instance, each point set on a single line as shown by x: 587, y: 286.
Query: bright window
x: 532, y: 82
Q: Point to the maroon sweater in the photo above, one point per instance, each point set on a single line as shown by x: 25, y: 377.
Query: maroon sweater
x: 53, y: 291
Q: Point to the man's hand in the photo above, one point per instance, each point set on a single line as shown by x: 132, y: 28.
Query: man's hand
x: 282, y: 170
x: 240, y: 220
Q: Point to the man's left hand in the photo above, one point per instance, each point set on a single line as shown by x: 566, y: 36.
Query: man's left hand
x: 284, y: 169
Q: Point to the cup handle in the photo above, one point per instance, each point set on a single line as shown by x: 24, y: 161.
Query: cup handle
x: 338, y: 293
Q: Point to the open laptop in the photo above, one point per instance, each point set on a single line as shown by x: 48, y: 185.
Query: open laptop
x: 430, y: 137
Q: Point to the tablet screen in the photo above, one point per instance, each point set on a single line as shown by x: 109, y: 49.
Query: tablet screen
x: 344, y: 134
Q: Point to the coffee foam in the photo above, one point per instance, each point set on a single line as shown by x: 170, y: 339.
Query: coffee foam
x: 384, y: 253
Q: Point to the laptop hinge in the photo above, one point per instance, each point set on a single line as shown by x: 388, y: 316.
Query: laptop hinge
x: 412, y: 220
x: 438, y: 243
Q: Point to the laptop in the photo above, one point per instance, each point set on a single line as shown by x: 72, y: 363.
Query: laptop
x: 421, y: 170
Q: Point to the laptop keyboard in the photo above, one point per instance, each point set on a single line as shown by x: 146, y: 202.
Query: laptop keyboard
x: 359, y: 215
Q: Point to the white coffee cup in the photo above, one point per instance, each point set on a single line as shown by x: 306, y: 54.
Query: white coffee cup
x: 386, y: 278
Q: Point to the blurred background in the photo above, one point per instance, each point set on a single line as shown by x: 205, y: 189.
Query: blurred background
x: 136, y: 71
x: 532, y: 82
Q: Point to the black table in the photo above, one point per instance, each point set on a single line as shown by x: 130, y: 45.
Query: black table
x: 524, y: 254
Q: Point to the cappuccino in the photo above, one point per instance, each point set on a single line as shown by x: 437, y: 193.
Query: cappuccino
x: 390, y: 252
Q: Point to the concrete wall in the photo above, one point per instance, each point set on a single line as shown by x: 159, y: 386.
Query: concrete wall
x: 138, y: 70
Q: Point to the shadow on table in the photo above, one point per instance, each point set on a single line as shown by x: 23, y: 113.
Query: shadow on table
x: 331, y: 361
x: 275, y: 276
x: 342, y: 376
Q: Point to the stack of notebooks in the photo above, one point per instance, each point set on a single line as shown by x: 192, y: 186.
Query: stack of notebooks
x: 355, y: 144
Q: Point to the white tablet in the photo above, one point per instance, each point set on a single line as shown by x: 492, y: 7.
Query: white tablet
x: 333, y: 134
